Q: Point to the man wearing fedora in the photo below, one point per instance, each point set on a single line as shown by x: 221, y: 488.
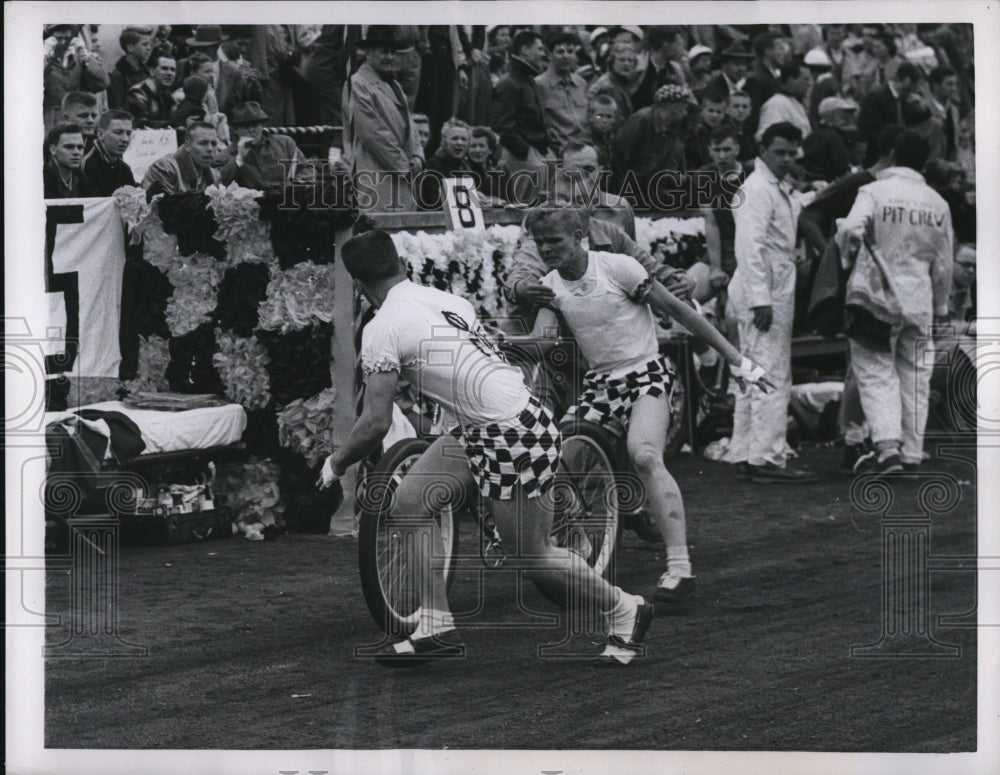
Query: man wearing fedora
x: 258, y: 160
x: 733, y: 64
x: 380, y: 144
x: 227, y: 80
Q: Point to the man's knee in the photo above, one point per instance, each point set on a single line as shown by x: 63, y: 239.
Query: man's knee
x: 646, y: 457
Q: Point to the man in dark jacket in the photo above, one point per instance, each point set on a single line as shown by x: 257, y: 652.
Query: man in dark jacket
x: 648, y: 156
x: 61, y: 177
x: 131, y: 68
x: 258, y: 160
x: 104, y: 169
x: 448, y: 161
x: 882, y: 106
x: 516, y: 115
x: 772, y: 52
x: 151, y: 101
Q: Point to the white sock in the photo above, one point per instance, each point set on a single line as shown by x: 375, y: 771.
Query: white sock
x: 621, y: 617
x: 678, y: 561
x: 434, y: 622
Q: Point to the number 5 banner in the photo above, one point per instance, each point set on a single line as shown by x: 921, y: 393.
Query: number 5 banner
x: 84, y: 262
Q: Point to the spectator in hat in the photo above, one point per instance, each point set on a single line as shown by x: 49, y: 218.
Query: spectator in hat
x: 81, y: 108
x: 104, y: 169
x: 61, y: 176
x: 69, y: 66
x: 649, y: 144
x: 563, y: 93
x: 517, y: 116
x: 151, y: 101
x: 189, y: 168
x: 700, y: 66
x: 830, y: 151
x: 824, y: 83
x: 130, y: 68
x: 381, y: 144
x: 771, y: 52
x: 257, y: 160
x: 667, y: 50
x: 788, y: 103
x: 733, y: 64
x: 225, y: 79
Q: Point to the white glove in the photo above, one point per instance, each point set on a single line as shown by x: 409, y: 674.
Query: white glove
x: 749, y: 371
x: 327, y: 477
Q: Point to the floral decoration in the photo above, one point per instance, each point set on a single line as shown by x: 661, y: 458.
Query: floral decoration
x: 306, y: 426
x: 151, y: 373
x: 297, y: 298
x: 241, y: 291
x: 250, y: 491
x: 235, y: 208
x: 241, y: 363
x: 195, y: 296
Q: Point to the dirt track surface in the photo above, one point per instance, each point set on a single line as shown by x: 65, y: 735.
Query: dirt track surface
x: 251, y: 644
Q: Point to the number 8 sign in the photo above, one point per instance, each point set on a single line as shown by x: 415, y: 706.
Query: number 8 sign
x: 461, y: 204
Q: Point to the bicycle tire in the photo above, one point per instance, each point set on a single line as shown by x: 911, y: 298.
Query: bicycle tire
x: 381, y: 561
x: 586, y: 495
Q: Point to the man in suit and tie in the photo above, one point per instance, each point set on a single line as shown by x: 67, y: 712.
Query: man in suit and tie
x: 733, y: 63
x: 881, y: 107
x: 944, y: 105
x: 380, y: 143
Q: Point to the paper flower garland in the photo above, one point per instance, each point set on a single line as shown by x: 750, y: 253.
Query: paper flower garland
x: 678, y: 242
x: 135, y: 210
x: 241, y: 364
x: 306, y: 426
x: 195, y: 294
x: 297, y: 298
x: 235, y: 209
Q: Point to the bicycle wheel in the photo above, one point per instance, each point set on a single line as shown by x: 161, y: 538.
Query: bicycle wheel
x: 383, y: 555
x: 585, y: 494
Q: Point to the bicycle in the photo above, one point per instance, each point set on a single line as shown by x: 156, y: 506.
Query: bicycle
x: 585, y: 496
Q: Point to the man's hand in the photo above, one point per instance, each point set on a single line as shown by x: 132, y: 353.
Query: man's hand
x: 750, y: 373
x: 243, y: 146
x: 762, y: 318
x: 463, y: 78
x: 680, y: 284
x: 327, y: 477
x: 718, y: 279
x: 533, y: 293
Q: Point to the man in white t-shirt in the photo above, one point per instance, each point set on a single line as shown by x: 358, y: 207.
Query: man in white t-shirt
x: 608, y: 300
x: 506, y: 443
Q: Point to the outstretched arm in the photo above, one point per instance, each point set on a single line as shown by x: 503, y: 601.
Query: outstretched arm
x: 665, y: 303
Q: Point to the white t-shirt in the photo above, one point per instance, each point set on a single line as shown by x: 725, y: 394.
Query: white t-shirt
x: 606, y: 311
x: 436, y: 343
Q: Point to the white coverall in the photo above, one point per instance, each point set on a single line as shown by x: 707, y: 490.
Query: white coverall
x: 910, y: 225
x: 766, y: 223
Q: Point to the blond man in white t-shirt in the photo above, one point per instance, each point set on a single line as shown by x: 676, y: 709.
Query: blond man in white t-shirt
x: 608, y: 301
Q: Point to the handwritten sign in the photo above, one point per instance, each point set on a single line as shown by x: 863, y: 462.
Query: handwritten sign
x: 461, y: 204
x: 147, y: 146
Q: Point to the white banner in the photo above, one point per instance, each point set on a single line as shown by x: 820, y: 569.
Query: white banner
x: 84, y: 263
x: 147, y: 146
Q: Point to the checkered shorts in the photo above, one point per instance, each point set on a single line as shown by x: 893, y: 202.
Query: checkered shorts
x: 524, y: 450
x: 603, y: 398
